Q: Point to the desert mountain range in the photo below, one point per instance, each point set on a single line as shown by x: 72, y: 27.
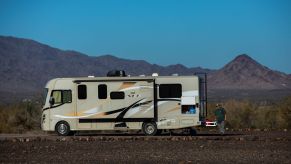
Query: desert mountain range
x: 27, y: 65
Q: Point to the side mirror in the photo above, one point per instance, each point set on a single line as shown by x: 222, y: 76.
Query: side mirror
x: 52, y: 101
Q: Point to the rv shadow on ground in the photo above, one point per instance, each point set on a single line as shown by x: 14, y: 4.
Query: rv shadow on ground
x: 162, y: 135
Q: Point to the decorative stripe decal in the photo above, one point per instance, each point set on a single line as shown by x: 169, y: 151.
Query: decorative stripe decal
x: 115, y: 120
x: 120, y: 117
x: 52, y: 107
x: 114, y: 111
x: 169, y: 99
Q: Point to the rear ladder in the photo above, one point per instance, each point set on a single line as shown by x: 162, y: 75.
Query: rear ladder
x: 202, y: 95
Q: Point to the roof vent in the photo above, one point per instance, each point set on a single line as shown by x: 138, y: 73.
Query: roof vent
x: 155, y: 74
x: 116, y: 73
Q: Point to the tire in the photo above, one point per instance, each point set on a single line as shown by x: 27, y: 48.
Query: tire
x: 149, y: 128
x: 192, y: 132
x: 63, y: 128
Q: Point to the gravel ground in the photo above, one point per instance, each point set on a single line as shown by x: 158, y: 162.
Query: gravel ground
x: 242, y: 147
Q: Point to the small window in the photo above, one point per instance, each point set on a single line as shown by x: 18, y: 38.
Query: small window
x: 170, y: 90
x: 82, y: 91
x: 57, y: 95
x: 117, y: 95
x: 102, y: 91
x: 67, y: 96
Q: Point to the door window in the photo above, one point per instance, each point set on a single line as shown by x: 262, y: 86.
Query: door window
x: 67, y: 96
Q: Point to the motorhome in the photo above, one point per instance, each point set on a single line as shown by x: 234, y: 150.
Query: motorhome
x: 147, y: 103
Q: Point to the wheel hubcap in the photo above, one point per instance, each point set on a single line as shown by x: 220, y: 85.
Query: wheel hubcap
x: 62, y: 128
x: 150, y: 129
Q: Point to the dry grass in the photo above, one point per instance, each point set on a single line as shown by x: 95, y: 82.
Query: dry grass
x: 245, y: 114
x: 21, y: 117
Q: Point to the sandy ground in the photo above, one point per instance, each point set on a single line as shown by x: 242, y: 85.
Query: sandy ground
x: 235, y: 147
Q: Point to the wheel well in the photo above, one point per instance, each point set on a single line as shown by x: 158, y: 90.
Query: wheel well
x: 149, y: 121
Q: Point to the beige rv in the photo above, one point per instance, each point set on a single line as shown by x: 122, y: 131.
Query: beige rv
x: 147, y: 103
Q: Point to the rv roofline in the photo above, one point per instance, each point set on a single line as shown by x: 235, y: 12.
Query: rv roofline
x: 116, y: 79
x: 126, y: 77
x: 108, y: 80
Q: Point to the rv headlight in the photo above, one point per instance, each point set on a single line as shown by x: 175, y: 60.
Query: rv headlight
x: 43, y: 118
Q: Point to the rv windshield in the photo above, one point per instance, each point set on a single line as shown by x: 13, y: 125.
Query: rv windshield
x: 44, y: 95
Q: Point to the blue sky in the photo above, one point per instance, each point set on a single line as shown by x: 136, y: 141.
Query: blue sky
x: 207, y: 33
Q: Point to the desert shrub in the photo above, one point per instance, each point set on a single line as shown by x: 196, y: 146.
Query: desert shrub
x: 271, y: 120
x: 240, y: 114
x: 284, y: 112
x: 246, y: 114
x: 3, y: 122
x: 20, y: 117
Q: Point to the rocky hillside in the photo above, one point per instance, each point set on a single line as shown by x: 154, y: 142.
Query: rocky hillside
x: 245, y: 73
x: 27, y: 65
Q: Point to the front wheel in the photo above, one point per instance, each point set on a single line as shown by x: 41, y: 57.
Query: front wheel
x: 149, y: 128
x: 63, y: 128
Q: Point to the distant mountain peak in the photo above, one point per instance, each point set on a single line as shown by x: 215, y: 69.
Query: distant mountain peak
x: 244, y: 58
x: 109, y: 56
x: 244, y: 72
x: 243, y: 62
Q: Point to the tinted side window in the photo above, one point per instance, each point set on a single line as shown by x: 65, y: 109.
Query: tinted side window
x: 117, y: 95
x: 102, y: 91
x: 82, y: 91
x: 67, y: 96
x: 170, y: 90
x: 45, y: 95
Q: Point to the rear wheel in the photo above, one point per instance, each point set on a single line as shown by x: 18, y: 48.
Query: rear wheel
x: 149, y: 128
x: 63, y: 128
